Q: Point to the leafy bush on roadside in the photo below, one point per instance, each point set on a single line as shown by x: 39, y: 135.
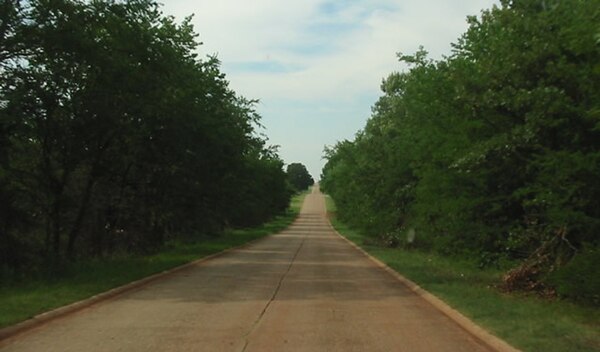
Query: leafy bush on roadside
x: 580, y: 278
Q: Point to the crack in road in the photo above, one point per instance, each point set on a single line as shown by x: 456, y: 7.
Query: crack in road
x: 275, y: 292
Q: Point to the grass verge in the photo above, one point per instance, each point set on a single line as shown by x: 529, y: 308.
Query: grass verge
x: 81, y: 280
x: 527, y: 322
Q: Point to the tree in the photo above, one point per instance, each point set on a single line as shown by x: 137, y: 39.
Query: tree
x: 114, y: 136
x: 491, y: 152
x: 299, y: 177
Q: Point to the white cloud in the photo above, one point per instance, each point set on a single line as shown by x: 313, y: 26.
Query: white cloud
x: 339, y: 55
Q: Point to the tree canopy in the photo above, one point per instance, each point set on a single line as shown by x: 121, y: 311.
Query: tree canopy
x: 298, y: 177
x: 115, y: 136
x: 493, y: 151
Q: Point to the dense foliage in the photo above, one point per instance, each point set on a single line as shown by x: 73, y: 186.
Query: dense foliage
x: 298, y: 177
x: 491, y: 152
x: 115, y: 137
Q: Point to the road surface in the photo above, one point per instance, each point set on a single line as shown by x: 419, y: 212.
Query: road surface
x: 304, y: 289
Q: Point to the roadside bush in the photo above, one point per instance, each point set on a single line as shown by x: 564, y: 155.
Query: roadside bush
x: 580, y: 278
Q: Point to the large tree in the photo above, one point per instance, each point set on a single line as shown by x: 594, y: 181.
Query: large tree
x: 299, y: 177
x: 491, y: 152
x: 115, y: 136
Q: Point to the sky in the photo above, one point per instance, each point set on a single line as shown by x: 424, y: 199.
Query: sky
x: 316, y: 66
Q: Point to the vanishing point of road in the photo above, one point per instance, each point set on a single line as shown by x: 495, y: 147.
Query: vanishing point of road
x: 304, y: 289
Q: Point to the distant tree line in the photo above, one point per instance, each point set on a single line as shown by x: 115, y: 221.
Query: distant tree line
x: 116, y: 137
x: 492, y: 152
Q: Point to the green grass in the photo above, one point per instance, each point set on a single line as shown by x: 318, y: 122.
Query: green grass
x: 527, y: 322
x: 21, y: 301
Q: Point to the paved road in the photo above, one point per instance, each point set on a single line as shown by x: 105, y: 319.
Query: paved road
x: 304, y: 289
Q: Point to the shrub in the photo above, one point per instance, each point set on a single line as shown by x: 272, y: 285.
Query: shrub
x: 580, y: 278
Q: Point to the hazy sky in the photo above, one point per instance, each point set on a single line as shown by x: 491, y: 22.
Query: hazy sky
x: 316, y: 65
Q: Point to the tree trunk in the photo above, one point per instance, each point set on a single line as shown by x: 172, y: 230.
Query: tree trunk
x: 83, y: 207
x: 55, y: 216
x: 114, y: 211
